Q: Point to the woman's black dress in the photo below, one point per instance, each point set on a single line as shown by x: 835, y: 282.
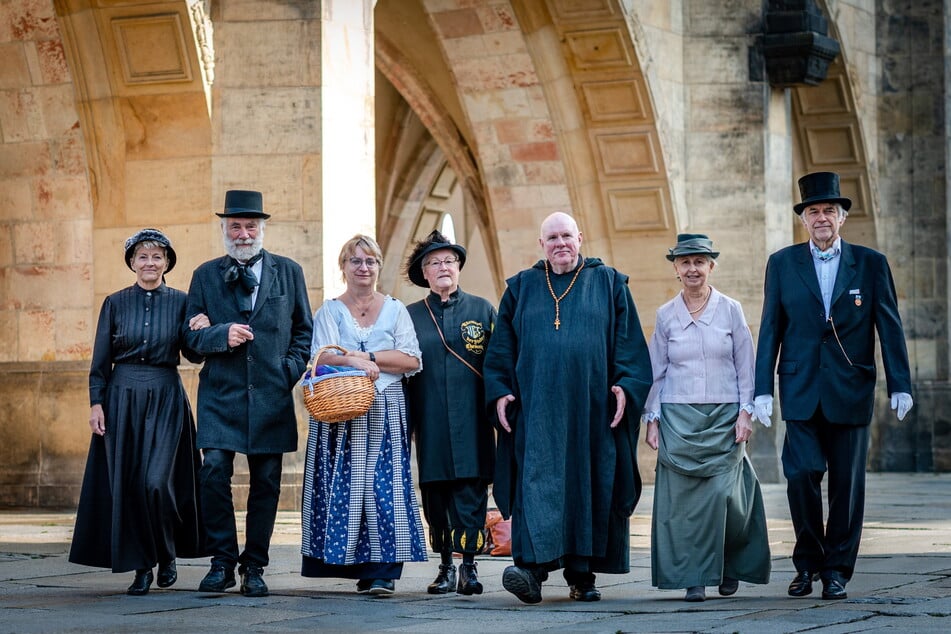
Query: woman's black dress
x: 139, y: 501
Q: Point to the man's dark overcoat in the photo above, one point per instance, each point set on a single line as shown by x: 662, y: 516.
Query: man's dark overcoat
x: 454, y: 437
x: 569, y: 481
x: 813, y: 369
x: 245, y: 394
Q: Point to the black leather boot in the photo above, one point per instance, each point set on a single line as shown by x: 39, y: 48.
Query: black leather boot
x: 445, y: 581
x: 469, y: 579
x: 140, y: 585
x: 167, y: 574
x: 252, y: 581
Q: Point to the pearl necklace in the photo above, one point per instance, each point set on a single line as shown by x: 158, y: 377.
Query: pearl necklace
x: 558, y: 298
x: 697, y: 310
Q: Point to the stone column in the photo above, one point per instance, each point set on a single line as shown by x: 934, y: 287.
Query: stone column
x: 913, y: 227
x: 737, y: 165
x: 267, y: 137
x: 347, y: 127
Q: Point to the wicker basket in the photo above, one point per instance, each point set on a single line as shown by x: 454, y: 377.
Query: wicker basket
x: 334, y: 398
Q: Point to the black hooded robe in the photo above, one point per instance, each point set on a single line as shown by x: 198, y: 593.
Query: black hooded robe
x: 569, y: 481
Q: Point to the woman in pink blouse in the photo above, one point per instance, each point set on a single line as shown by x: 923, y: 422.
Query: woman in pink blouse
x: 709, y: 524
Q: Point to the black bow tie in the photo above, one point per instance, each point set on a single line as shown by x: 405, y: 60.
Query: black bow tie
x: 242, y: 273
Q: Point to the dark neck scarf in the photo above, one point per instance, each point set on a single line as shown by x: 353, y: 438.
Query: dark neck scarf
x: 241, y: 276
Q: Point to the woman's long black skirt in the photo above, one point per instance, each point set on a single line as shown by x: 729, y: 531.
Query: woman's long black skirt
x: 139, y: 501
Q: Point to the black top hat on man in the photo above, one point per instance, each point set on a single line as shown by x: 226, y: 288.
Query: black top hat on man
x: 241, y: 203
x: 820, y: 187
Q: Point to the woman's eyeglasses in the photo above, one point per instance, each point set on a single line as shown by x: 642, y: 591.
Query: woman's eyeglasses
x: 435, y: 264
x: 371, y: 263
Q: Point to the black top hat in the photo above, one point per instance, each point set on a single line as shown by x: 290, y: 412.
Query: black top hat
x: 691, y: 244
x: 433, y: 242
x: 240, y: 203
x: 150, y: 235
x: 820, y: 187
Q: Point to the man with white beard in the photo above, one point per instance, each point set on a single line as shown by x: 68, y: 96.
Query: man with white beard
x: 250, y: 317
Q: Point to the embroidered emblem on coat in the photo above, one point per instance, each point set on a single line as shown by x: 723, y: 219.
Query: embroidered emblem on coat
x: 474, y: 335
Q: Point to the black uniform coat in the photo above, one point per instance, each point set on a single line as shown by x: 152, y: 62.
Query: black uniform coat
x: 245, y: 394
x: 569, y: 481
x: 813, y: 370
x: 445, y: 401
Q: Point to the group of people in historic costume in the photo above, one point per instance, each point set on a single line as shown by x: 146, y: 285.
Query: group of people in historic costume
x: 543, y: 400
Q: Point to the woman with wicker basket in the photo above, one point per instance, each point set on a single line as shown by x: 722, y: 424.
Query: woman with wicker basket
x: 455, y: 442
x: 138, y: 506
x: 360, y: 519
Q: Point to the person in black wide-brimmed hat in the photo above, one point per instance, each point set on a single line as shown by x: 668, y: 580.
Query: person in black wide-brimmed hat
x: 823, y: 303
x: 249, y: 315
x: 139, y: 501
x: 709, y: 525
x: 455, y: 446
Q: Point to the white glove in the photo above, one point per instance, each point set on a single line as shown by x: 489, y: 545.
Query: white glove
x: 763, y: 409
x: 902, y: 402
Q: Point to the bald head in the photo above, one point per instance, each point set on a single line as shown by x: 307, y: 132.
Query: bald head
x: 558, y: 219
x: 561, y: 241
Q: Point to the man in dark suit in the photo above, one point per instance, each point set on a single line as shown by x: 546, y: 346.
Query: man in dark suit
x: 823, y: 302
x: 250, y: 318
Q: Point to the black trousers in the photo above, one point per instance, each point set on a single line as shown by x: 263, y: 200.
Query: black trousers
x: 811, y: 448
x: 217, y: 506
x: 455, y: 511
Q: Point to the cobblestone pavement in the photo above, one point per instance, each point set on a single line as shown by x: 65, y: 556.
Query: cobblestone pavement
x: 902, y: 584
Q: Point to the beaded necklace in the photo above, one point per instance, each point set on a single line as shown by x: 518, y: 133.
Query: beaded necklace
x: 562, y: 296
x: 699, y: 308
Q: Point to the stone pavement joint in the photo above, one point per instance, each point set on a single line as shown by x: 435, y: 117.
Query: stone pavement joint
x: 902, y: 584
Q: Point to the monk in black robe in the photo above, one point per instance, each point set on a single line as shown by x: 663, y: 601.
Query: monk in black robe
x: 567, y: 373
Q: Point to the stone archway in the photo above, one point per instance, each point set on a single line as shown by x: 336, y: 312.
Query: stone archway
x: 560, y: 113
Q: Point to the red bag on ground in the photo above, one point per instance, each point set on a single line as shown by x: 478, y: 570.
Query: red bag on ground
x: 498, y: 534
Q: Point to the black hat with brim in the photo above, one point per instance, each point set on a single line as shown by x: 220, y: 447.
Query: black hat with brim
x: 692, y: 244
x: 820, y: 187
x: 415, y: 269
x: 240, y: 203
x: 150, y: 235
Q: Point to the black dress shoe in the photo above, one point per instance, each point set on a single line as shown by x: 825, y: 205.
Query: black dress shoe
x: 445, y: 581
x: 140, y: 585
x: 523, y: 584
x: 382, y: 587
x: 218, y: 579
x: 728, y: 586
x: 252, y: 581
x: 584, y: 592
x: 167, y: 574
x: 801, y: 586
x: 469, y: 583
x: 833, y: 589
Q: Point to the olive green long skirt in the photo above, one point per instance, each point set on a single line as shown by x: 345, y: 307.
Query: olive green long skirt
x: 708, y: 520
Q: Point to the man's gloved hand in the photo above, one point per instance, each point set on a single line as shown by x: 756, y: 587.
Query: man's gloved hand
x: 902, y: 402
x: 763, y: 409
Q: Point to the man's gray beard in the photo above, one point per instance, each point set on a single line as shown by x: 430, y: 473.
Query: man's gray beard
x: 244, y: 252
